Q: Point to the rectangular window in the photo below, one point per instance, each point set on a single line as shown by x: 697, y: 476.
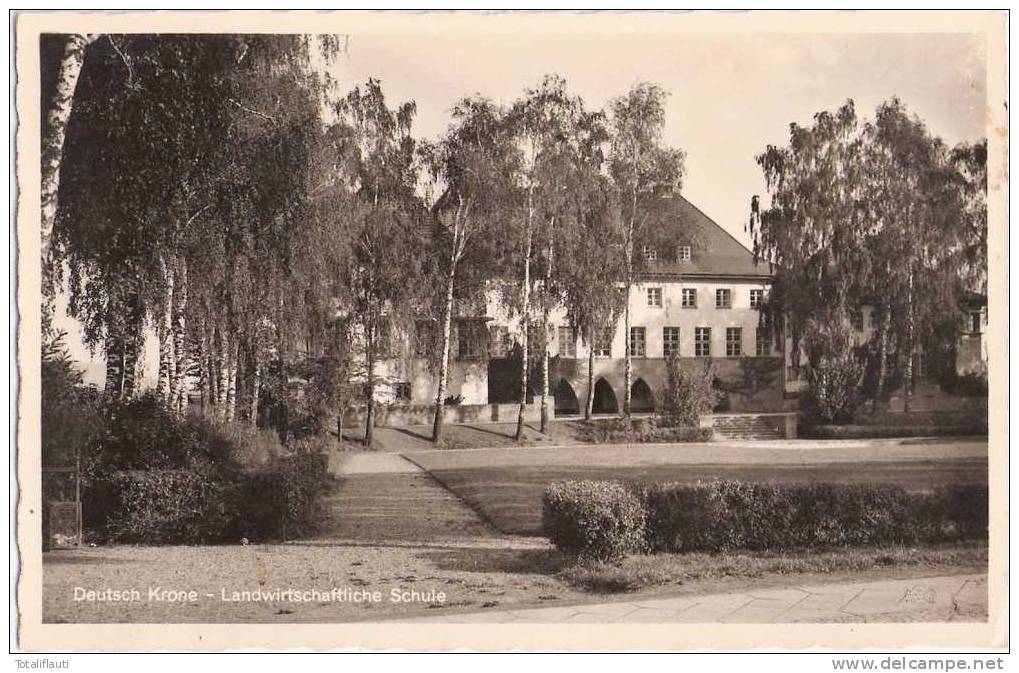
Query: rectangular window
x: 756, y: 298
x: 702, y: 342
x: 567, y: 343
x: 689, y: 297
x: 856, y: 319
x: 424, y: 338
x: 654, y: 297
x: 650, y: 254
x: 638, y: 342
x: 383, y: 345
x: 603, y: 342
x: 498, y: 341
x: 723, y: 298
x: 401, y: 391
x: 670, y: 341
x: 683, y: 253
x: 733, y: 342
x: 974, y: 322
x: 763, y: 342
x: 472, y: 338
x: 920, y: 365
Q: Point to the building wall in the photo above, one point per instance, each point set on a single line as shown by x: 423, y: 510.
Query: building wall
x: 971, y: 357
x: 469, y: 378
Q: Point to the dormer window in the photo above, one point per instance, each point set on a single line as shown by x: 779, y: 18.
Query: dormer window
x: 650, y: 254
x: 683, y: 253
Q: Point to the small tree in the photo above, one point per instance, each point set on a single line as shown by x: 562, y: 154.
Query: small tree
x: 834, y: 372
x: 687, y: 395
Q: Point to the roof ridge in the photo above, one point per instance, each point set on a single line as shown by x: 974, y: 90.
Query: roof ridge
x: 712, y: 220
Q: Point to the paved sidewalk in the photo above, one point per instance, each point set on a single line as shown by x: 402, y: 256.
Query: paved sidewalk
x: 929, y: 599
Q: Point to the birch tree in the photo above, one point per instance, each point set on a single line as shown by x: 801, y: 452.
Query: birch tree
x: 470, y: 170
x: 61, y: 59
x: 382, y: 274
x: 642, y: 167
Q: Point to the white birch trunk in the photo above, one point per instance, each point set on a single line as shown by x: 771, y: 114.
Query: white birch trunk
x: 57, y: 114
x: 447, y: 320
x: 525, y: 323
x: 182, y: 361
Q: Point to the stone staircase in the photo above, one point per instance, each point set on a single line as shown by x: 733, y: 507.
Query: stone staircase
x: 748, y: 426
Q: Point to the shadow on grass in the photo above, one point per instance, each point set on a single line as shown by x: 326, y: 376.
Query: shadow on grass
x: 422, y: 435
x: 496, y: 433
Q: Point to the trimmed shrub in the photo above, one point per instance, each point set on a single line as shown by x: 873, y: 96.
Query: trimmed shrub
x: 968, y: 385
x: 152, y: 477
x: 602, y: 521
x: 728, y: 515
x: 278, y: 501
x: 639, y: 431
x: 166, y: 506
x: 890, y: 431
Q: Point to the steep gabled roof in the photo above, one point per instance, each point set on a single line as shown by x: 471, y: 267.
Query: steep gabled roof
x: 714, y: 251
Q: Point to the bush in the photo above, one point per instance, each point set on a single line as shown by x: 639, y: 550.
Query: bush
x: 728, y: 515
x: 166, y: 506
x: 602, y: 521
x: 833, y: 374
x: 687, y: 395
x: 152, y: 477
x: 968, y: 385
x: 639, y: 431
x: 69, y: 410
x: 605, y: 520
x: 891, y: 431
x: 278, y: 501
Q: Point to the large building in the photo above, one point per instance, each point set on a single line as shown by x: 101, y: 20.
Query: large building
x: 701, y: 302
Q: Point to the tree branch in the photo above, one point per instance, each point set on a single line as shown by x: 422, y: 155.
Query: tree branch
x: 123, y: 57
x: 254, y: 112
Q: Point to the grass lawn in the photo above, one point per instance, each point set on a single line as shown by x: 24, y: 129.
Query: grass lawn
x: 473, y: 436
x: 474, y: 578
x: 506, y: 486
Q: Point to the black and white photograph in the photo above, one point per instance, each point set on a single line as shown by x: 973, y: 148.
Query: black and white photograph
x: 513, y: 319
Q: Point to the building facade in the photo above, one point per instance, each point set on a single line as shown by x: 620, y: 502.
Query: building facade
x: 701, y: 302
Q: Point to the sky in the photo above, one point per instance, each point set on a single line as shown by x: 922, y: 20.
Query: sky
x: 731, y: 95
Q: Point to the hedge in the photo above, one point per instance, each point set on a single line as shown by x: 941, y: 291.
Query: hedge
x: 165, y: 506
x: 152, y: 477
x: 279, y: 501
x: 641, y: 431
x: 890, y: 431
x: 600, y: 520
x: 580, y: 517
x: 194, y: 506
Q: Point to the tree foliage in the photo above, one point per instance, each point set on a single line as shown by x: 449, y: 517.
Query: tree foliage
x: 879, y: 213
